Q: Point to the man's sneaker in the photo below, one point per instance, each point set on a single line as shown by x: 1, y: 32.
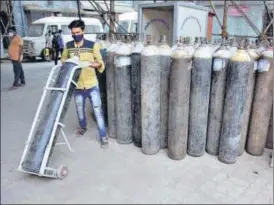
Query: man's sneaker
x: 21, y: 85
x: 80, y: 132
x: 104, y: 142
x: 13, y: 87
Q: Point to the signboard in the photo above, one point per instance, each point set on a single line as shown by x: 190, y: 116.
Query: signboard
x: 233, y: 11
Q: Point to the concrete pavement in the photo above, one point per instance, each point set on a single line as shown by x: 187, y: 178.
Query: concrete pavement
x: 121, y: 174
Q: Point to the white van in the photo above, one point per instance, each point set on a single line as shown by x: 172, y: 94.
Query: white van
x: 35, y: 41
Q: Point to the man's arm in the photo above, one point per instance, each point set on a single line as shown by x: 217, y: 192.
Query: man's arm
x: 20, y: 44
x: 65, y: 55
x: 99, y: 63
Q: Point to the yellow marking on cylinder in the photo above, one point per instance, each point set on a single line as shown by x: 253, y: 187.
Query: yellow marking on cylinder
x: 241, y: 56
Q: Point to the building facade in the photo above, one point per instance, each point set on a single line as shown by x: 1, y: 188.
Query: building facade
x: 27, y: 11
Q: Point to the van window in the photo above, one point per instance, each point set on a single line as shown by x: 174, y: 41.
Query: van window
x: 65, y: 30
x: 36, y: 30
x: 52, y: 28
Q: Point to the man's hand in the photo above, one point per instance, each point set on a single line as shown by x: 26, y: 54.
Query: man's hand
x: 95, y: 65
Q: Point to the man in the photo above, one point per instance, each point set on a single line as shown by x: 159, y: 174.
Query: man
x: 87, y: 85
x: 16, y: 55
x: 58, y: 45
x: 48, y: 50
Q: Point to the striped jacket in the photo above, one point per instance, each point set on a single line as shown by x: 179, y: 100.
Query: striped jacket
x: 89, y: 51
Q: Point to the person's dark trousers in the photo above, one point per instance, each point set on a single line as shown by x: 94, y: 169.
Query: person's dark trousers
x: 57, y: 51
x: 18, y: 73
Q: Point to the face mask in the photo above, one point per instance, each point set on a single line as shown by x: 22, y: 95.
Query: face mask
x: 11, y: 34
x: 77, y: 38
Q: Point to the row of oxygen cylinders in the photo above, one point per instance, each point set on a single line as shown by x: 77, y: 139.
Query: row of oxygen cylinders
x: 191, y: 98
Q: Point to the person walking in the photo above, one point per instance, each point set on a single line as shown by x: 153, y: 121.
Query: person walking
x: 48, y: 53
x: 87, y: 85
x: 15, y: 52
x: 58, y: 45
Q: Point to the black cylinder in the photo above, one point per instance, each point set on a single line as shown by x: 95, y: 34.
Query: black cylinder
x: 136, y: 93
x: 235, y: 97
x: 262, y: 105
x: 150, y: 99
x: 199, y: 101
x: 110, y: 84
x: 179, y: 91
x: 123, y: 94
x: 217, y: 93
x: 165, y: 53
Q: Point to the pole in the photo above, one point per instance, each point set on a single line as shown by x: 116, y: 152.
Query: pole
x: 78, y: 7
x: 214, y: 10
x: 224, y: 28
x: 112, y: 16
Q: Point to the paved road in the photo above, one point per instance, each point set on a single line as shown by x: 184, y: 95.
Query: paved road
x: 121, y: 174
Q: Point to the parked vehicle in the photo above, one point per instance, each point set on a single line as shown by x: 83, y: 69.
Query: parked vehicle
x: 35, y: 41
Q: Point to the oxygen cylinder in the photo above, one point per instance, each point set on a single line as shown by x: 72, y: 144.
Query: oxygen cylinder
x: 189, y: 46
x: 123, y: 94
x: 217, y: 93
x: 199, y: 100
x: 150, y: 98
x: 215, y: 46
x: 233, y: 47
x: 235, y: 97
x: 136, y: 92
x: 197, y: 43
x: 262, y: 105
x: 269, y: 141
x: 250, y: 89
x: 165, y: 56
x: 173, y: 48
x: 102, y: 80
x: 179, y: 91
x: 110, y: 79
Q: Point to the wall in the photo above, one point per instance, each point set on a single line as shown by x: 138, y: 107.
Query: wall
x: 192, y: 22
x: 156, y: 23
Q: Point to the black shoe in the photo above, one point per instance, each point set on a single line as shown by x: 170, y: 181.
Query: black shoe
x: 21, y: 85
x: 80, y: 132
x: 104, y: 142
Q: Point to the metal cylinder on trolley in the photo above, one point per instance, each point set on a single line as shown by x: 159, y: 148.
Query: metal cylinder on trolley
x: 165, y: 56
x: 199, y: 100
x: 217, y: 93
x: 136, y: 91
x: 123, y: 93
x: 262, y: 105
x: 249, y: 96
x: 110, y: 84
x: 179, y: 92
x: 150, y: 98
x: 235, y: 97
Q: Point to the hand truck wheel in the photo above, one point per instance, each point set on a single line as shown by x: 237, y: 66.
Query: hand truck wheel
x: 62, y: 172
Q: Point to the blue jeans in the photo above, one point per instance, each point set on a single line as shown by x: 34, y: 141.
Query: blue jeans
x: 93, y: 94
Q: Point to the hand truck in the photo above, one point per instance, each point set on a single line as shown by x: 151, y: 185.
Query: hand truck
x: 46, y: 171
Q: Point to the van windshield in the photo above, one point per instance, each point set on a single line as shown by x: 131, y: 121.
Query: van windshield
x: 36, y: 30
